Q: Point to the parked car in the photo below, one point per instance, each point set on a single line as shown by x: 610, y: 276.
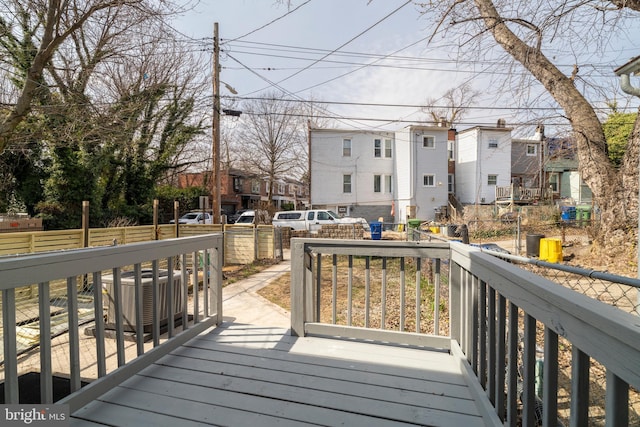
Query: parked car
x: 312, y: 219
x: 194, y: 218
x: 258, y: 216
x: 232, y: 218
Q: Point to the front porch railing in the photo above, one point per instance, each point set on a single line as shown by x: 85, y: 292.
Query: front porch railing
x: 532, y: 345
x: 139, y: 298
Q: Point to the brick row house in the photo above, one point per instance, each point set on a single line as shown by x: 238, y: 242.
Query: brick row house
x: 245, y: 190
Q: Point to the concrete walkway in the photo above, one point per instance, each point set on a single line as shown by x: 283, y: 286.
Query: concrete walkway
x: 242, y: 304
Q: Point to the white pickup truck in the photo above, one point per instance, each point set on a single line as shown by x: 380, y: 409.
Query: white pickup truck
x: 312, y: 219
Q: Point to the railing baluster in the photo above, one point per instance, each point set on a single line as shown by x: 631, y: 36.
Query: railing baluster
x: 474, y: 323
x: 482, y: 308
x: 617, y: 401
x: 170, y: 299
x: 367, y: 290
x: 117, y: 301
x: 512, y: 366
x: 155, y: 302
x: 501, y: 357
x: 402, y: 294
x: 99, y: 323
x: 529, y: 378
x: 318, y: 287
x: 74, y: 338
x: 196, y: 286
x: 46, y: 379
x: 350, y: 291
x: 11, y: 392
x: 383, y: 295
x: 185, y: 292
x: 206, y: 278
x: 436, y: 308
x: 491, y: 362
x: 418, y: 296
x: 139, y: 304
x: 580, y: 364
x: 550, y: 385
x: 334, y: 288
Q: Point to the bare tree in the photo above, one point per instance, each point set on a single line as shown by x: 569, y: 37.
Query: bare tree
x: 453, y: 105
x: 531, y: 32
x: 51, y: 23
x: 272, y: 140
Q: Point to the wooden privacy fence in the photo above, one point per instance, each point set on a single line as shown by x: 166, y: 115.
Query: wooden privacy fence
x: 243, y: 244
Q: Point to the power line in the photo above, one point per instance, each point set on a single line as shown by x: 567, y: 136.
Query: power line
x: 347, y: 42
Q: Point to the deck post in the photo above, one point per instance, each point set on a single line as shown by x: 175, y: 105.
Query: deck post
x: 298, y: 286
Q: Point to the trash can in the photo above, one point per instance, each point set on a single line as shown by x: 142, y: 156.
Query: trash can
x: 376, y: 230
x: 533, y: 244
x: 414, y: 223
x: 551, y: 250
x: 583, y: 214
x: 568, y: 213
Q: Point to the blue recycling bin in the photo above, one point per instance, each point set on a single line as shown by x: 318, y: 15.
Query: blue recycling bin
x: 376, y: 230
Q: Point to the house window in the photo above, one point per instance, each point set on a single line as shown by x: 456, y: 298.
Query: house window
x: 493, y: 143
x: 450, y: 150
x: 554, y: 182
x: 429, y: 141
x: 388, y: 182
x: 255, y: 187
x: 451, y: 180
x: 429, y: 180
x: 532, y: 149
x: 377, y: 183
x: 377, y: 148
x: 387, y: 148
x: 346, y: 148
x: 281, y: 188
x: 492, y: 180
x: 346, y: 183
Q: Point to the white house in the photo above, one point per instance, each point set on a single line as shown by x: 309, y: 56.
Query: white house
x: 352, y: 172
x: 422, y: 171
x: 375, y: 174
x: 483, y: 161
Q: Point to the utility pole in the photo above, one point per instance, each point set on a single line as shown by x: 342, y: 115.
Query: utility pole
x: 216, y: 182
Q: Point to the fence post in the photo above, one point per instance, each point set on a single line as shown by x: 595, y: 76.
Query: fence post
x: 176, y: 216
x: 156, y: 203
x: 85, y: 223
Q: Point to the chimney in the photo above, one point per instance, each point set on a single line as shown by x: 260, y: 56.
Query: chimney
x: 501, y: 123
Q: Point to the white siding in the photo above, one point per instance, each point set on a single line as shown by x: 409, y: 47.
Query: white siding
x: 405, y: 181
x: 328, y: 166
x: 430, y: 161
x: 476, y: 161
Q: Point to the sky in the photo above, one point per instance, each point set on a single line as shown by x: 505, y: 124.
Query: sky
x: 334, y: 51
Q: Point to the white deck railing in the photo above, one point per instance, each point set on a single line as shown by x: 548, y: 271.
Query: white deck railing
x: 486, y: 298
x: 136, y: 311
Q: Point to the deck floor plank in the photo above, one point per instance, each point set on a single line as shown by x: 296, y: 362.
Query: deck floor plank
x: 247, y: 375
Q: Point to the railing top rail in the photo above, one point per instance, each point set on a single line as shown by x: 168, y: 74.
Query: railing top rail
x: 382, y: 248
x: 42, y: 267
x: 607, y: 334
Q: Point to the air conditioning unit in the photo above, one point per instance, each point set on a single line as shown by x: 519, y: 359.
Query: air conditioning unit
x: 128, y: 296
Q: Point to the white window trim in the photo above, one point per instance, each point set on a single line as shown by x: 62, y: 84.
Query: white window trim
x: 431, y: 175
x: 378, y: 150
x: 380, y: 181
x: 434, y: 142
x: 350, y: 183
x: 344, y: 141
x: 493, y: 143
x: 489, y: 176
x: 388, y: 145
x: 535, y: 150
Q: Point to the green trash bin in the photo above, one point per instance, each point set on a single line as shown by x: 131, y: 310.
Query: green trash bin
x: 414, y: 223
x: 584, y: 214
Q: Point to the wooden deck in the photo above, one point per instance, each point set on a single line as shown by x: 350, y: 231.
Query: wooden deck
x: 249, y: 375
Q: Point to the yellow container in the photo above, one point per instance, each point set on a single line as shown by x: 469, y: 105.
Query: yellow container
x: 434, y: 229
x: 550, y: 250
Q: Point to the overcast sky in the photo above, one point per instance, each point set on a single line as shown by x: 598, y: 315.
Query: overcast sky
x: 334, y: 51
